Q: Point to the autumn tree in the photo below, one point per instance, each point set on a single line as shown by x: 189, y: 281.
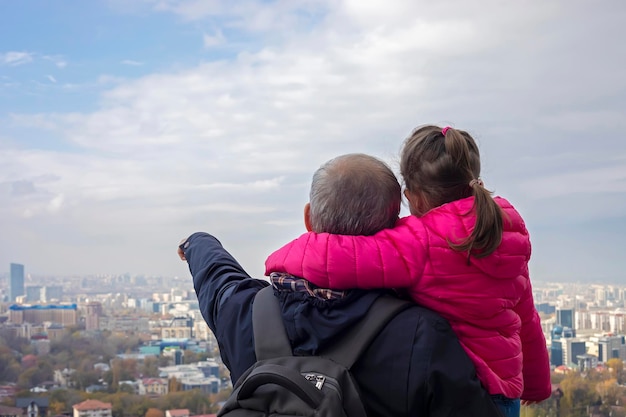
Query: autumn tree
x: 124, y: 404
x: 35, y: 375
x: 617, y: 367
x: 164, y: 361
x: 190, y: 356
x: 9, y: 365
x: 609, y: 393
x: 61, y: 401
x: 196, y: 401
x: 173, y: 385
x: 578, y: 394
x: 150, y: 367
x: 56, y: 407
x: 16, y: 343
x: 128, y: 343
x: 123, y: 370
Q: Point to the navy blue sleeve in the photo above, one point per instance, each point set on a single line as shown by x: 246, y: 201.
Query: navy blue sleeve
x: 225, y: 295
x: 452, y: 384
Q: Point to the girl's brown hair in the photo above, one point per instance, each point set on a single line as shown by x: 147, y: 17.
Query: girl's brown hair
x: 440, y: 168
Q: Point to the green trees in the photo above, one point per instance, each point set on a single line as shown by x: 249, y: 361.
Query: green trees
x: 195, y: 401
x: 189, y: 356
x: 9, y: 365
x: 149, y: 368
x: 123, y: 370
x: 61, y: 400
x: 126, y: 404
x: 595, y: 392
x: 77, y: 352
x: 18, y: 344
x: 578, y: 394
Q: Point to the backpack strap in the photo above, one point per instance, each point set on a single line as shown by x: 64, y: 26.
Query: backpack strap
x: 270, y: 337
x: 347, y: 348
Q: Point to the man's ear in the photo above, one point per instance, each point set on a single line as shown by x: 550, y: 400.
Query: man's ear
x: 307, y: 217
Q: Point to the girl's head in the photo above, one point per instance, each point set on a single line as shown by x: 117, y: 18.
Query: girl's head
x: 443, y: 165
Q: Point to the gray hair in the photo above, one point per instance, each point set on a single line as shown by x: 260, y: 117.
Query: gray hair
x: 354, y: 194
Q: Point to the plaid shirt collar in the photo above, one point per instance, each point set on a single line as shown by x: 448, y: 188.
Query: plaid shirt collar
x: 286, y: 282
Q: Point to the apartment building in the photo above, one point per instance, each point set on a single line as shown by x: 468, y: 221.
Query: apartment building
x: 92, y: 408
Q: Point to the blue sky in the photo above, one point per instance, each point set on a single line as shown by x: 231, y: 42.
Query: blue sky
x: 104, y: 43
x: 125, y: 126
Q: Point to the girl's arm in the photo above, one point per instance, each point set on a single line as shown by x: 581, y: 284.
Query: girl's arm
x: 536, y: 366
x: 392, y: 258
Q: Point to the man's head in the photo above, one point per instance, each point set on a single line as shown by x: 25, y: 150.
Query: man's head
x: 353, y: 194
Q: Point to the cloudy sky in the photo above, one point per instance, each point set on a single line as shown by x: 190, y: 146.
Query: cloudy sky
x: 126, y: 126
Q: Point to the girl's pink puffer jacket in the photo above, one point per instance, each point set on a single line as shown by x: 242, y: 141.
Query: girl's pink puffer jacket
x: 488, y: 301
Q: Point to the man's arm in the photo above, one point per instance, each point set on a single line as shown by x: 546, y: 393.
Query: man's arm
x: 417, y: 367
x: 225, y: 295
x: 452, y: 384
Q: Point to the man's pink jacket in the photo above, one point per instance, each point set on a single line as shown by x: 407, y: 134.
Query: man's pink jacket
x: 488, y: 301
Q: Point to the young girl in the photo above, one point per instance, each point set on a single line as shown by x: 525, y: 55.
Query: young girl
x: 461, y: 253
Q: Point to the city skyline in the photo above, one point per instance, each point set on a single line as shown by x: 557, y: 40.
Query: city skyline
x: 126, y: 127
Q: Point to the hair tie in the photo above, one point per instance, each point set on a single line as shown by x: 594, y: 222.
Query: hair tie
x: 476, y: 181
x: 445, y: 130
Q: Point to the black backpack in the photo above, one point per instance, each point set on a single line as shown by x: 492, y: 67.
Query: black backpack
x: 280, y: 384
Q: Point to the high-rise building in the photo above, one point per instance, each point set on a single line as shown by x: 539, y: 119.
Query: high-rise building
x: 556, y: 349
x: 92, y: 315
x: 51, y: 293
x: 565, y: 317
x: 16, y: 282
x: 572, y: 348
x: 33, y: 293
x: 561, y: 351
x: 609, y: 347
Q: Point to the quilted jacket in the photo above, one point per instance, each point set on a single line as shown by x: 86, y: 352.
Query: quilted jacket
x: 488, y: 301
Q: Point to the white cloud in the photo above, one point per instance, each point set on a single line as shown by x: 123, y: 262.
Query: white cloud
x: 213, y: 40
x: 250, y: 15
x: 56, y: 203
x: 606, y: 179
x: 229, y: 146
x: 109, y: 79
x: 51, y: 79
x: 57, y: 60
x: 14, y: 58
x: 131, y: 63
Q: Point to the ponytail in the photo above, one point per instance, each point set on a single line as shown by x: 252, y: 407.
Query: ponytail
x: 487, y: 233
x: 443, y: 165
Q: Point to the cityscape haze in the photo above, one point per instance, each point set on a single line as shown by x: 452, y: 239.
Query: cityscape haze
x: 148, y: 341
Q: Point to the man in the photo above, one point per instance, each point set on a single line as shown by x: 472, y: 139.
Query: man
x: 415, y: 367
